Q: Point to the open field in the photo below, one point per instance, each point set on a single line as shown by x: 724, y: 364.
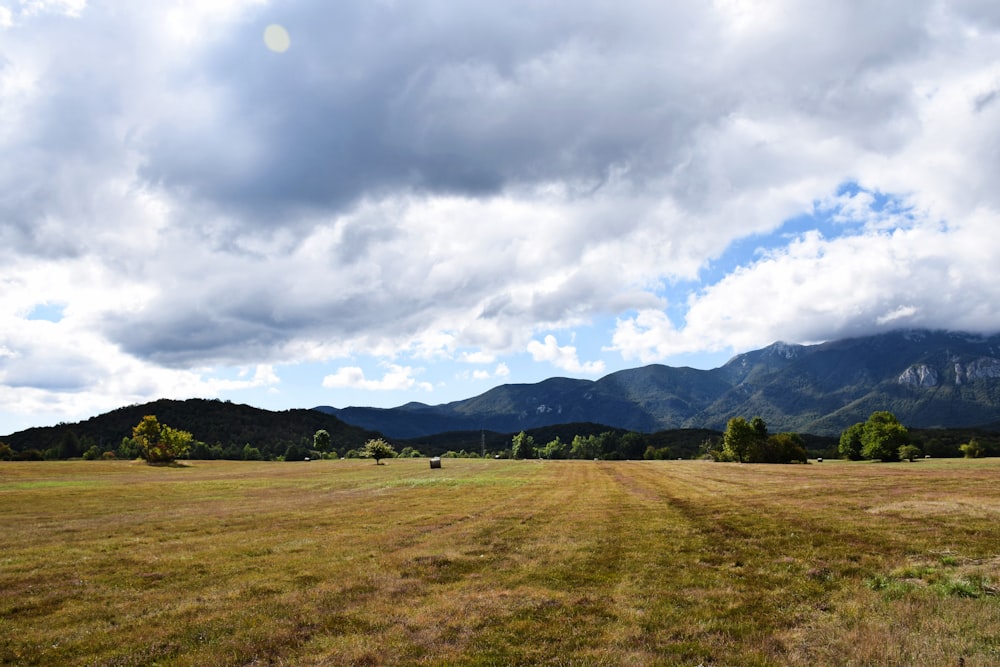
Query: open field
x: 500, y: 562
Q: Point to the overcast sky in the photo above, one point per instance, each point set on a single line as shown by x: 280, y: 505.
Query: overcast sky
x: 367, y: 202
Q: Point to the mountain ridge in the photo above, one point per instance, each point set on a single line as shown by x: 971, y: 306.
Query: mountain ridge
x: 928, y: 378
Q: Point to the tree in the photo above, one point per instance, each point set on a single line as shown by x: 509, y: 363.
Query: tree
x: 785, y: 448
x: 555, y: 449
x: 632, y: 445
x: 69, y: 445
x: 656, y: 453
x: 251, y: 453
x: 378, y: 449
x: 583, y: 447
x: 322, y: 441
x: 159, y: 443
x: 882, y: 437
x: 850, y: 442
x: 740, y: 438
x: 523, y: 446
x: 972, y: 449
x: 296, y: 452
x: 909, y: 452
x: 128, y: 449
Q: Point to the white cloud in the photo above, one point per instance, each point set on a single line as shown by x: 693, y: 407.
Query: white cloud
x: 396, y: 378
x: 61, y: 7
x: 923, y: 275
x: 562, y: 357
x: 404, y: 188
x: 478, y: 357
x: 900, y: 314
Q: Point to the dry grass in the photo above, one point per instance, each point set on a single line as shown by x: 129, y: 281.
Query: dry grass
x: 500, y: 562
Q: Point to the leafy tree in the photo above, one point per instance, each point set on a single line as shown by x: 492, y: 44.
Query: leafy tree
x: 882, y: 437
x: 555, y: 449
x: 378, y: 449
x: 583, y: 447
x: 523, y: 446
x: 972, y: 449
x: 160, y: 443
x: 850, y: 442
x: 908, y: 452
x: 92, y: 454
x: 740, y: 439
x: 656, y: 453
x: 6, y: 453
x: 128, y: 449
x: 632, y: 445
x: 251, y: 453
x: 296, y: 452
x: 785, y: 448
x: 410, y: 453
x: 321, y: 440
x: 69, y: 446
x: 609, y: 445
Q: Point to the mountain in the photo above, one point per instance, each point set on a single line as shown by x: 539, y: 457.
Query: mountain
x: 929, y: 379
x: 222, y: 423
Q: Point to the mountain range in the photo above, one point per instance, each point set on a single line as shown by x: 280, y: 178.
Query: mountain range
x: 928, y: 379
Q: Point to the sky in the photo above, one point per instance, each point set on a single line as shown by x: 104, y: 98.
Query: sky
x: 370, y: 202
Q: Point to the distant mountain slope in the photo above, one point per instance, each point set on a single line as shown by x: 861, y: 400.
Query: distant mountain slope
x: 928, y: 379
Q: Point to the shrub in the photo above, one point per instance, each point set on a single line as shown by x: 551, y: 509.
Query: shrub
x: 972, y: 449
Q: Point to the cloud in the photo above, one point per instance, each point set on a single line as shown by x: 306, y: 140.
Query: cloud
x: 918, y: 274
x: 500, y: 372
x: 428, y: 181
x: 396, y: 378
x: 562, y: 357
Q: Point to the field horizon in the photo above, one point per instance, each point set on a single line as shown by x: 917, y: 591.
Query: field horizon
x: 486, y: 562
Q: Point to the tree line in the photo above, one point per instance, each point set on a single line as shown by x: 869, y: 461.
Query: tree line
x: 881, y: 437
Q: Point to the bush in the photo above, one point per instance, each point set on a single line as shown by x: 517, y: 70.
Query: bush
x: 972, y: 449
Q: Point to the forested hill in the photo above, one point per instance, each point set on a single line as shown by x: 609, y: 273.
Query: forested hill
x: 928, y: 379
x: 221, y: 424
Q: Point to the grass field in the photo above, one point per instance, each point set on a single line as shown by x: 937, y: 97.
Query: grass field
x: 500, y: 563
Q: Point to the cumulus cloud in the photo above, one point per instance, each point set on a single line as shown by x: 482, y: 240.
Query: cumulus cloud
x: 396, y: 378
x: 564, y: 357
x: 434, y: 181
x: 918, y: 274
